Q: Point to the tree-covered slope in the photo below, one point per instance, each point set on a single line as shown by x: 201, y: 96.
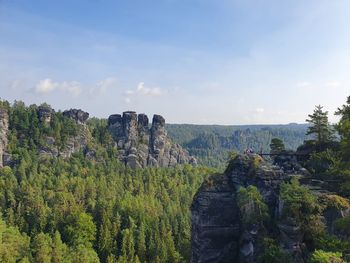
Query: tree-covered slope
x: 210, y: 144
x: 86, y: 206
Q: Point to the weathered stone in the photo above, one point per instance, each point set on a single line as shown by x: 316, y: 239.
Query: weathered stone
x: 215, y: 205
x: 133, y: 136
x: 45, y: 114
x: 77, y: 115
x: 132, y: 161
x: 142, y: 121
x: 4, y: 126
x: 215, y: 222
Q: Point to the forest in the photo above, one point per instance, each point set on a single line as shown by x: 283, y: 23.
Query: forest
x: 89, y: 210
x: 96, y: 209
x: 211, y: 144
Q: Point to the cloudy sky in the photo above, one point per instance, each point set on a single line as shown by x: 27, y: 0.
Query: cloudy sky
x: 193, y: 61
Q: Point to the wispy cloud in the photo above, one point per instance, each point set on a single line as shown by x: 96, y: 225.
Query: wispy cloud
x: 142, y: 90
x: 102, y: 86
x: 259, y: 110
x: 47, y: 85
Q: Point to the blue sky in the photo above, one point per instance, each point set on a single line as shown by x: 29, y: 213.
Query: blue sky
x: 193, y: 61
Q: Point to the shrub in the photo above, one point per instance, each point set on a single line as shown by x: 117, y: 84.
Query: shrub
x: 251, y: 205
x: 320, y: 256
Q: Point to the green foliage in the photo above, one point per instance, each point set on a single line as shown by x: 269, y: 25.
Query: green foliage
x: 14, y: 246
x: 319, y: 126
x: 342, y: 225
x: 42, y: 248
x: 298, y: 202
x: 320, y: 256
x: 272, y: 253
x: 276, y: 145
x: 251, y: 205
x: 83, y: 210
x: 210, y: 144
x: 343, y: 128
x: 320, y: 163
x: 80, y: 230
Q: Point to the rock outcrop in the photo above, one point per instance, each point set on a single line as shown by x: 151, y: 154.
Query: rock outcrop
x: 219, y: 233
x: 74, y: 143
x: 45, y: 114
x: 140, y: 145
x: 76, y: 114
x: 4, y: 126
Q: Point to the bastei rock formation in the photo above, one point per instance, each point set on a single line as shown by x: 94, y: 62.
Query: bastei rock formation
x: 220, y: 236
x: 142, y: 145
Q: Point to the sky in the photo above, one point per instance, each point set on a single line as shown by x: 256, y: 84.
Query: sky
x: 193, y: 61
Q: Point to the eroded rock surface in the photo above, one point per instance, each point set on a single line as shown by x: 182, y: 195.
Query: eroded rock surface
x: 140, y: 145
x: 219, y: 234
x: 77, y: 115
x: 75, y: 143
x: 4, y: 126
x: 215, y: 205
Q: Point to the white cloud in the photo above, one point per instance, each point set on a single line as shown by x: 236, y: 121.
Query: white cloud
x: 72, y: 87
x: 142, y: 90
x: 259, y: 110
x: 46, y: 86
x: 103, y: 85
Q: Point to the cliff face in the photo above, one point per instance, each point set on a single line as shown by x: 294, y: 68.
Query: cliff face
x: 218, y: 233
x: 215, y: 222
x: 75, y: 143
x: 140, y: 145
x: 4, y: 126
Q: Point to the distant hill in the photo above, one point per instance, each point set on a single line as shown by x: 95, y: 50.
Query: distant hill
x: 210, y: 144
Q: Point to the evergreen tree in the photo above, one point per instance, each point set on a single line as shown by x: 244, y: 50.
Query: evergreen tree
x: 276, y: 145
x: 59, y: 249
x: 42, y: 248
x: 319, y: 126
x: 343, y: 128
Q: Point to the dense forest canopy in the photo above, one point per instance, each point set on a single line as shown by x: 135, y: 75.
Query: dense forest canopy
x: 210, y: 144
x: 90, y: 207
x: 82, y: 209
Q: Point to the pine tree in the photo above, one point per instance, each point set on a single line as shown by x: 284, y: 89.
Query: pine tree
x: 276, y: 145
x: 320, y: 127
x: 141, y: 244
x: 343, y: 128
x: 59, y: 249
x: 42, y: 248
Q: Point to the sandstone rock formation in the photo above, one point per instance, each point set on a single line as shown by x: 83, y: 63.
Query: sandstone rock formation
x: 75, y: 143
x: 140, y: 145
x: 4, y: 126
x: 45, y: 114
x: 76, y: 114
x: 218, y: 233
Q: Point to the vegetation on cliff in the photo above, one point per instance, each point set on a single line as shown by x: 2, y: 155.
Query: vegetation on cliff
x: 89, y: 207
